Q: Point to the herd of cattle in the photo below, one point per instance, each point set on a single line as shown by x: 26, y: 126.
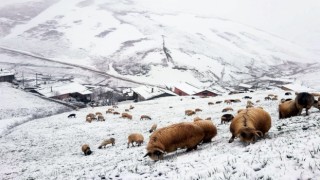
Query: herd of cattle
x: 248, y: 125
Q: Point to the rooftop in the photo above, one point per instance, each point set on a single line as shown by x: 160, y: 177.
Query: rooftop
x: 5, y: 72
x: 148, y: 92
x: 188, y: 88
x: 51, y: 90
x: 245, y: 85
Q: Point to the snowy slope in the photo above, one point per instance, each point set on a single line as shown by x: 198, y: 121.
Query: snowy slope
x: 18, y: 107
x: 50, y: 148
x: 126, y: 38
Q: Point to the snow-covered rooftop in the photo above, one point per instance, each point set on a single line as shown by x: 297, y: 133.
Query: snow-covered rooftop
x: 188, y: 88
x: 5, y: 72
x: 99, y: 87
x: 51, y: 90
x: 149, y: 92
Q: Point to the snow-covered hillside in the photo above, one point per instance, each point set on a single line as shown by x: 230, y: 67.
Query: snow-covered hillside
x: 18, y: 107
x: 137, y: 40
x: 50, y: 148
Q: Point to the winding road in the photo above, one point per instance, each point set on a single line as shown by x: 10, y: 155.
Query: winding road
x: 75, y: 65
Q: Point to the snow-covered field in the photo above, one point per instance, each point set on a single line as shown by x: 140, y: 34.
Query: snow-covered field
x: 18, y: 107
x: 50, y: 147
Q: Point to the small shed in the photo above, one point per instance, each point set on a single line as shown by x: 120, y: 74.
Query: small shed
x: 244, y: 87
x: 144, y: 93
x: 6, y: 75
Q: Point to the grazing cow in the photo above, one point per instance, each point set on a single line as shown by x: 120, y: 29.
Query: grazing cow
x: 250, y: 124
x: 72, y: 115
x: 227, y: 101
x: 197, y: 110
x: 189, y: 112
x: 210, y: 103
x: 267, y: 98
x: 226, y: 118
x: 288, y: 109
x: 227, y: 109
x: 126, y: 115
x: 153, y: 128
x: 106, y: 142
x: 316, y: 103
x: 304, y: 100
x: 208, y: 128
x: 173, y: 137
x: 115, y: 113
x: 287, y: 93
x: 86, y: 149
x: 145, y: 117
x: 135, y: 137
x: 235, y: 100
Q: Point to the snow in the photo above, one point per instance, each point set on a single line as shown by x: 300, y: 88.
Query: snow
x: 18, y: 107
x: 50, y: 147
x: 204, y: 41
x: 187, y: 88
x: 5, y: 72
x: 159, y: 76
x: 51, y: 90
x: 298, y: 87
x: 245, y: 85
x: 12, y: 2
x: 277, y: 79
x: 148, y: 92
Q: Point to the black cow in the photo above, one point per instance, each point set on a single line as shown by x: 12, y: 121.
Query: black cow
x: 226, y: 118
x: 72, y: 115
x: 304, y: 100
x: 287, y: 93
x: 247, y: 97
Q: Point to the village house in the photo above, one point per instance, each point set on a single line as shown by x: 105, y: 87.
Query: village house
x: 6, y: 75
x: 244, y: 87
x: 186, y: 89
x: 144, y: 93
x: 63, y: 91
